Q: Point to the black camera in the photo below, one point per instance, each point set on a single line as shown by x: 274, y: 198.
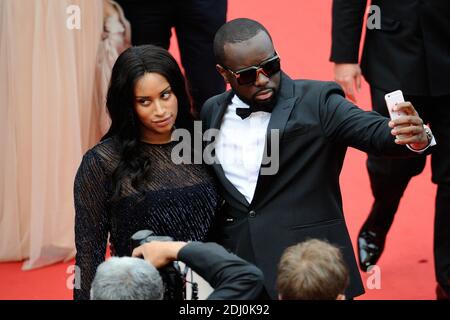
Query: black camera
x: 174, y: 280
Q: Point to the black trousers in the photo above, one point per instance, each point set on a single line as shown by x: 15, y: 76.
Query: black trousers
x: 195, y: 23
x: 390, y: 177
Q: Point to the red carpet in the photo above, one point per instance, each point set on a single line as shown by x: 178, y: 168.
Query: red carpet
x: 301, y: 33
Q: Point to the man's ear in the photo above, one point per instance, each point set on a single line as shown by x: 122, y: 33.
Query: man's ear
x: 222, y: 72
x: 340, y: 297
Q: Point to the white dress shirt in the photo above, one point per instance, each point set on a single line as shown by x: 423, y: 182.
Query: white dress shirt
x: 240, y: 147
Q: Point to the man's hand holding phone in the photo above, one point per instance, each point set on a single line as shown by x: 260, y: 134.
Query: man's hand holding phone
x: 407, y: 126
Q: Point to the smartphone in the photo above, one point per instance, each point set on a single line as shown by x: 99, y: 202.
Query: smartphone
x: 392, y: 99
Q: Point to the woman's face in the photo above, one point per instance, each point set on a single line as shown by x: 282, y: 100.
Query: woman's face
x: 156, y: 106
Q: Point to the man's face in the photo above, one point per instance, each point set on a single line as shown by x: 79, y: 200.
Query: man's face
x: 264, y: 90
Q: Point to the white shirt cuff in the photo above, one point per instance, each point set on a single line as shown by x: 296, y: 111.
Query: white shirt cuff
x: 432, y: 143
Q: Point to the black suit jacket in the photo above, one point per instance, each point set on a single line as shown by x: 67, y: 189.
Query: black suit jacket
x: 410, y: 52
x: 231, y: 277
x: 303, y: 200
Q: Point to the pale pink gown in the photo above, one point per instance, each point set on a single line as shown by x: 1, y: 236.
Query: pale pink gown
x: 52, y: 83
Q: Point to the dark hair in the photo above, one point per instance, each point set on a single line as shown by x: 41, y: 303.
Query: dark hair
x: 130, y: 66
x: 237, y: 30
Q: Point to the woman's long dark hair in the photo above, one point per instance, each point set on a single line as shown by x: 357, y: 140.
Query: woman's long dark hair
x: 131, y: 65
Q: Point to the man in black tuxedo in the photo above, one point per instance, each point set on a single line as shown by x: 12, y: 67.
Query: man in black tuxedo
x: 266, y: 211
x: 195, y: 23
x: 409, y: 50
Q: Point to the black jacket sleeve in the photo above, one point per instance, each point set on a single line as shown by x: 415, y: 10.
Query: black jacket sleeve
x: 345, y: 123
x: 231, y: 277
x: 346, y: 30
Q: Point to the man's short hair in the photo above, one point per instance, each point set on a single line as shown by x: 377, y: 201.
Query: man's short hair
x: 127, y: 278
x: 312, y: 270
x: 234, y: 31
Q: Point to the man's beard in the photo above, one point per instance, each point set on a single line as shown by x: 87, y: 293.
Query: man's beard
x: 269, y: 103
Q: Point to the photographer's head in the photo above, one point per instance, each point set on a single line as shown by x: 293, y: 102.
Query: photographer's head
x: 312, y: 270
x: 127, y: 278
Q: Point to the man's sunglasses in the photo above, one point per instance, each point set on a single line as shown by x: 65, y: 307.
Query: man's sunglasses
x: 250, y: 74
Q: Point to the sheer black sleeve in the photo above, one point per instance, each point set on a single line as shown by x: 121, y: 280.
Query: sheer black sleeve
x: 91, y: 221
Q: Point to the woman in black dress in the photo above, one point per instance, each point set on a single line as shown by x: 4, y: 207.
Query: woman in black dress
x: 128, y: 182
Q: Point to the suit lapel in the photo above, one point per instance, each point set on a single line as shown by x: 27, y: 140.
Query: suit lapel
x: 219, y: 110
x: 278, y: 120
x: 216, y: 122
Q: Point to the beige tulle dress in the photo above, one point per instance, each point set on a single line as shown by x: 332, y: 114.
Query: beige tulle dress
x: 53, y: 80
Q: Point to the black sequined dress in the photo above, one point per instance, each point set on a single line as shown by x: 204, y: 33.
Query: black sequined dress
x: 179, y: 201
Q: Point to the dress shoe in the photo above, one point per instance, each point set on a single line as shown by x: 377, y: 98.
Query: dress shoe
x: 441, y: 294
x: 370, y: 248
